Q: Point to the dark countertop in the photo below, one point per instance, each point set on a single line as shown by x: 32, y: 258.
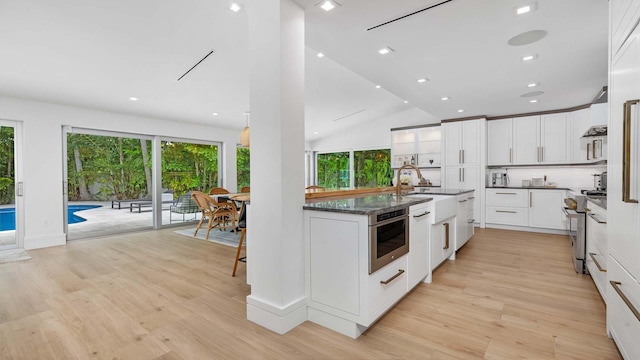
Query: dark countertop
x: 598, y: 200
x: 440, y: 191
x: 365, y: 205
x: 527, y: 188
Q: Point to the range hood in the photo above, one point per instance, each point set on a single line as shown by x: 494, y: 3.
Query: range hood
x: 598, y: 130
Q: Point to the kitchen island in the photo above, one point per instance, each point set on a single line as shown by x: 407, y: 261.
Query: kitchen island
x: 363, y: 254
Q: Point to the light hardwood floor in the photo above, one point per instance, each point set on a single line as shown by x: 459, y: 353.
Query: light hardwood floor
x: 158, y: 295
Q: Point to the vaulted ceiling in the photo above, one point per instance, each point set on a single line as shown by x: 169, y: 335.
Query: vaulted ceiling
x: 98, y: 54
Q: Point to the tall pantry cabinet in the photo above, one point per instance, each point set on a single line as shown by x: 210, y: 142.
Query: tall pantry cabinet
x: 465, y: 159
x: 623, y: 267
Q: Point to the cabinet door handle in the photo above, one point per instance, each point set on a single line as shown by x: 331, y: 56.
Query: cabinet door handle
x: 505, y: 211
x: 385, y: 282
x: 596, y: 219
x: 462, y: 174
x: 588, y: 151
x: 626, y: 152
x: 421, y: 215
x: 461, y: 201
x: 542, y: 153
x: 616, y: 287
x: 503, y: 193
x: 510, y: 155
x: 593, y: 148
x: 463, y: 156
x: 460, y: 156
x: 538, y: 148
x: 446, y: 236
x: 593, y: 257
x: 470, y: 221
x: 530, y: 199
x: 472, y: 197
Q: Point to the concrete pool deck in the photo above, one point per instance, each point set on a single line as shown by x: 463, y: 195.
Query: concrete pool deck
x: 104, y: 220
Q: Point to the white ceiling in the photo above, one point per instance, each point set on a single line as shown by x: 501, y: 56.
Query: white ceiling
x: 97, y: 54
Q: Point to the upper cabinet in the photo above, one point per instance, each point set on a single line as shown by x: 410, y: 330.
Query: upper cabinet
x: 462, y: 142
x: 623, y: 20
x: 529, y: 140
x: 418, y: 146
x: 547, y: 139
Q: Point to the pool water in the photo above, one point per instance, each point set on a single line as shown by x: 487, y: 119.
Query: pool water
x: 8, y: 216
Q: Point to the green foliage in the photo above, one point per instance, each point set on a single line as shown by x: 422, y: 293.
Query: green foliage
x: 372, y: 168
x: 243, y: 156
x: 187, y: 167
x: 7, y: 166
x: 333, y: 170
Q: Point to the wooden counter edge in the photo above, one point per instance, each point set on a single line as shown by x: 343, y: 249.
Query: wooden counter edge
x: 343, y: 194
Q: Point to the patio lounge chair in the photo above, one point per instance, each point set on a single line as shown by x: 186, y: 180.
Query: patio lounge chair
x: 184, y: 205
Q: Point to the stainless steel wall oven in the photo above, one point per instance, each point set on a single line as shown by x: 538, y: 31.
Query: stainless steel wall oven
x: 388, y: 238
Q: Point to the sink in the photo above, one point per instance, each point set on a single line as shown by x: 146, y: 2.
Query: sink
x: 442, y: 206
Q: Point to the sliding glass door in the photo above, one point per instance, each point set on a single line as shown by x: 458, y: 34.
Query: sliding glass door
x: 10, y: 186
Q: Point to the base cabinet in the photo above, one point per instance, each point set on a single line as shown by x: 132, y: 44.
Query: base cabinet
x: 534, y: 208
x: 545, y: 209
x: 464, y: 219
x: 419, y: 227
x: 597, y: 259
x: 623, y: 310
x: 442, y: 241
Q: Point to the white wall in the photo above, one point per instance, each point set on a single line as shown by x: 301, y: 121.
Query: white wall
x: 42, y: 158
x: 374, y: 135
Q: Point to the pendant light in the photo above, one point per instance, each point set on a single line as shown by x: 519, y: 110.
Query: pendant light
x: 245, y: 134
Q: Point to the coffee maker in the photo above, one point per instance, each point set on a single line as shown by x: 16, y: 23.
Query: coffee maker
x: 499, y: 179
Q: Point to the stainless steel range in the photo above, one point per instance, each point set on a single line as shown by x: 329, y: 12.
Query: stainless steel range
x: 577, y: 223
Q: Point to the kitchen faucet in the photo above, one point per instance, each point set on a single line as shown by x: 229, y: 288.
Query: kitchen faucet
x: 408, y: 166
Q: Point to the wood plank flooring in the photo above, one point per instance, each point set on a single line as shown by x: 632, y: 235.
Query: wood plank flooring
x: 159, y: 295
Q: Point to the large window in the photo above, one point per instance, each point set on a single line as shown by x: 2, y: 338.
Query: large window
x: 243, y: 156
x: 372, y: 168
x: 333, y: 170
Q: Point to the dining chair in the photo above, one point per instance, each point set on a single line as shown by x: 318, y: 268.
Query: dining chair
x: 242, y: 225
x: 245, y: 189
x: 216, y: 213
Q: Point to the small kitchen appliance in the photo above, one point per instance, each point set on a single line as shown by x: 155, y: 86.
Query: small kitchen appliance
x: 499, y: 179
x: 600, y: 181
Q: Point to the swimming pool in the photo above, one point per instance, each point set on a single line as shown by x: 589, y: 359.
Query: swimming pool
x: 8, y: 216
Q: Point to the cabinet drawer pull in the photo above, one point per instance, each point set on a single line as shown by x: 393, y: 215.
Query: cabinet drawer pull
x: 626, y: 152
x: 446, y: 235
x: 593, y: 257
x: 596, y: 219
x: 423, y: 214
x: 509, y: 212
x: 385, y: 282
x: 461, y: 201
x: 616, y: 287
x: 470, y: 221
x: 503, y: 193
x: 472, y: 197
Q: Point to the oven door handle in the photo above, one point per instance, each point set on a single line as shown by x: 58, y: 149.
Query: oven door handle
x: 392, y: 220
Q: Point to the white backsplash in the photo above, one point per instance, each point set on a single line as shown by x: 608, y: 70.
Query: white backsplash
x: 573, y: 177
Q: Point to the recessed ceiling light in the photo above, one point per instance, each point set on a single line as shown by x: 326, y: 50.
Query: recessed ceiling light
x: 328, y: 5
x: 235, y: 7
x: 378, y: 86
x: 385, y: 50
x: 315, y: 133
x: 444, y: 98
x: 533, y: 101
x: 320, y: 55
x: 461, y: 110
x: 520, y: 10
x: 422, y: 80
x: 532, y: 85
x: 406, y: 101
x: 214, y: 114
x: 529, y: 57
x: 133, y: 98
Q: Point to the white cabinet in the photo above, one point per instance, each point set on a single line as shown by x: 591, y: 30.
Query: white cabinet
x: 417, y: 146
x: 500, y: 142
x: 419, y: 225
x: 462, y: 142
x: 442, y: 241
x: 589, y: 149
x: 464, y: 219
x: 541, y: 139
x: 623, y: 307
x: 526, y: 208
x: 465, y: 177
x: 507, y: 206
x: 597, y: 247
x: 624, y: 14
x: 545, y: 209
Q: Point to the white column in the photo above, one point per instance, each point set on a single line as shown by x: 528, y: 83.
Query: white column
x: 275, y: 229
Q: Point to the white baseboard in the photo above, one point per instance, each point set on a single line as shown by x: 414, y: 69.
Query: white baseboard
x: 43, y: 241
x: 335, y: 323
x: 275, y: 318
x: 528, y: 229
